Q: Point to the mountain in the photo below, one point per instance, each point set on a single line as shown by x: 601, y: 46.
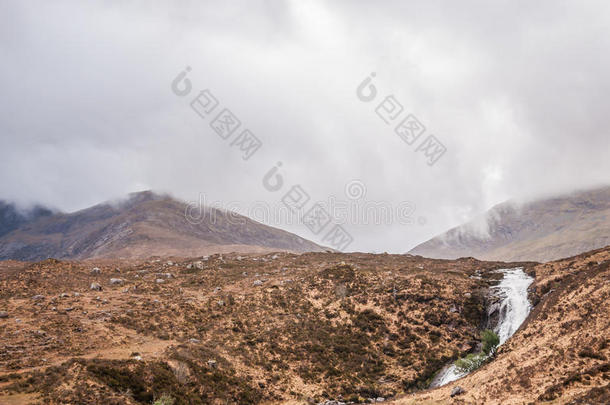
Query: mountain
x: 12, y: 218
x: 145, y: 224
x: 542, y: 230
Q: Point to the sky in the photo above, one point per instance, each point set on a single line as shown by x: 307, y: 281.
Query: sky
x: 510, y: 101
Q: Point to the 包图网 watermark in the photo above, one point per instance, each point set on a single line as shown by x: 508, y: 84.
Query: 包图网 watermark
x: 326, y: 218
x: 406, y: 125
x: 225, y: 124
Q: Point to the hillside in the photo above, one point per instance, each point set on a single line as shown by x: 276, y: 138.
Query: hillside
x: 561, y: 355
x: 236, y: 329
x: 146, y: 224
x: 12, y: 218
x: 542, y: 230
x: 299, y: 329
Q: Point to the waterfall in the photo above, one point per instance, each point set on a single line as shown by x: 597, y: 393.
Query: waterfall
x: 514, y: 308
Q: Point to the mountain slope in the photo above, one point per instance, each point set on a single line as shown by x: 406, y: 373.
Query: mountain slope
x: 541, y: 230
x: 145, y: 224
x: 12, y: 218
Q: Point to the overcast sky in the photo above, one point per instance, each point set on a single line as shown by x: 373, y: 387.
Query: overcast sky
x: 516, y: 91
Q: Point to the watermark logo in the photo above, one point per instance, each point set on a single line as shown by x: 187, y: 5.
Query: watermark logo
x: 355, y: 190
x: 325, y: 218
x: 225, y: 123
x: 408, y: 128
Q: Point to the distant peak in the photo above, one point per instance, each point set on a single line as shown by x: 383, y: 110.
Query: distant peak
x: 147, y: 195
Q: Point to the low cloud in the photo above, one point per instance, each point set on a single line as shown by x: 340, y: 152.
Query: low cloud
x: 516, y: 92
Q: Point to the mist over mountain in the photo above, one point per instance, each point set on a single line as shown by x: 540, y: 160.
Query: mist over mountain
x: 12, y: 217
x: 541, y: 230
x: 142, y: 225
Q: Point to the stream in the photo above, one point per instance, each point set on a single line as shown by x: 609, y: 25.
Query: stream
x: 514, y: 307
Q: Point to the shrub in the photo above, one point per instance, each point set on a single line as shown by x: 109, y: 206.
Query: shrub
x: 471, y: 362
x: 475, y: 360
x: 490, y: 341
x: 164, y: 400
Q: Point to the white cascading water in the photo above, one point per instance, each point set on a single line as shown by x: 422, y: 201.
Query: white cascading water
x: 514, y: 308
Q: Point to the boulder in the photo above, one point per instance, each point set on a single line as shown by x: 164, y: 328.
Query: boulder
x: 3, y: 314
x: 457, y: 391
x: 493, y: 308
x: 95, y: 270
x: 95, y: 287
x: 115, y: 281
x: 38, y: 297
x: 257, y: 283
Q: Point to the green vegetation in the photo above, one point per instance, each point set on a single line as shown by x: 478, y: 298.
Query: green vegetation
x: 490, y: 341
x: 164, y: 400
x: 473, y: 361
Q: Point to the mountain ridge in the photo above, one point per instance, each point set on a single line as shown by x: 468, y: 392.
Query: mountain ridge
x: 541, y: 230
x: 142, y: 225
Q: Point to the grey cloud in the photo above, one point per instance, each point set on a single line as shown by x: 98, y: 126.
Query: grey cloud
x: 517, y: 91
